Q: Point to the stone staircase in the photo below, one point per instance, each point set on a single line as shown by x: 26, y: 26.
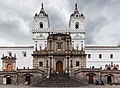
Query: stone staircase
x: 59, y: 80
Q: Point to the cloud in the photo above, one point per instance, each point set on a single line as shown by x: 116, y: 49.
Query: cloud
x: 16, y: 21
x: 6, y: 42
x: 58, y: 13
x: 101, y: 19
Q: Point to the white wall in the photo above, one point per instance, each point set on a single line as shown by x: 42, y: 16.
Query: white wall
x: 93, y: 61
x: 101, y: 62
x: 21, y: 60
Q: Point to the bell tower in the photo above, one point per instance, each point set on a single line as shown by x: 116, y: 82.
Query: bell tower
x: 41, y: 23
x: 41, y: 19
x: 76, y: 24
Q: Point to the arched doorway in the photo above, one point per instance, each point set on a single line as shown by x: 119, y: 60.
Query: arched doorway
x: 8, y: 80
x: 27, y: 80
x: 109, y: 79
x: 59, y: 67
x: 90, y: 79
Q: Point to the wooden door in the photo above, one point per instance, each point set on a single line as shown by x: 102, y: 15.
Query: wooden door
x: 90, y: 79
x: 59, y: 67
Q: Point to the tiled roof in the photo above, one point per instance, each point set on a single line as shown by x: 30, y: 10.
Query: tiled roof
x: 18, y: 46
x: 102, y: 46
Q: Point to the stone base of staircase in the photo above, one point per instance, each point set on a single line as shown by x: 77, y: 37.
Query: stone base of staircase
x: 59, y: 80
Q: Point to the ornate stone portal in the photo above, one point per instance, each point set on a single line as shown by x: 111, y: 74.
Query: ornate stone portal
x: 8, y: 63
x: 60, y: 54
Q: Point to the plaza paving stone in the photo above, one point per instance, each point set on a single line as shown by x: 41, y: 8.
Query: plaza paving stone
x: 24, y: 86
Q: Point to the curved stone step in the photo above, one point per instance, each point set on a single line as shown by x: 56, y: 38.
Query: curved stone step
x: 59, y: 80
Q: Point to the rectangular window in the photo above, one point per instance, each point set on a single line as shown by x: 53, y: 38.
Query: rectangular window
x: 111, y: 55
x: 89, y: 55
x: 77, y: 63
x: 40, y: 64
x: 24, y: 53
x: 100, y: 55
x: 9, y: 53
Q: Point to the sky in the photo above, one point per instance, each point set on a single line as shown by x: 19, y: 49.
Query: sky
x: 102, y: 19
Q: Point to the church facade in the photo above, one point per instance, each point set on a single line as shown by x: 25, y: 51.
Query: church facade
x: 59, y: 51
x: 58, y: 44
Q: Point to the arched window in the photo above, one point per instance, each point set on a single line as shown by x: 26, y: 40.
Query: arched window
x: 115, y: 68
x: 9, y: 67
x: 77, y: 25
x: 108, y: 68
x: 41, y: 24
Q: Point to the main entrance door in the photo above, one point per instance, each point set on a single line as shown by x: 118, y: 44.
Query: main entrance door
x: 59, y: 67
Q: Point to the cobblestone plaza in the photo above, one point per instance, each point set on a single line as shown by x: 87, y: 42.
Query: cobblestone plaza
x: 23, y: 86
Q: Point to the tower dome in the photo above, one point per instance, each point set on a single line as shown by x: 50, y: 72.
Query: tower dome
x: 76, y: 12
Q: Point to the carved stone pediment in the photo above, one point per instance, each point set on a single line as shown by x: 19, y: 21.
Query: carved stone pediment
x: 59, y: 42
x: 59, y: 58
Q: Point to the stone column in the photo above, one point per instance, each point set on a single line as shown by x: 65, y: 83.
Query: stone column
x: 65, y: 63
x: 52, y: 63
x: 68, y: 63
x: 2, y: 65
x: 13, y: 66
x: 81, y: 61
x: 46, y: 63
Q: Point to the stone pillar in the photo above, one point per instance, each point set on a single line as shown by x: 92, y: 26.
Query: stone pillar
x: 14, y: 66
x: 46, y: 63
x: 52, y: 45
x: 52, y: 63
x: 81, y: 61
x: 65, y: 63
x: 2, y: 65
x: 68, y: 63
x: 71, y: 64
